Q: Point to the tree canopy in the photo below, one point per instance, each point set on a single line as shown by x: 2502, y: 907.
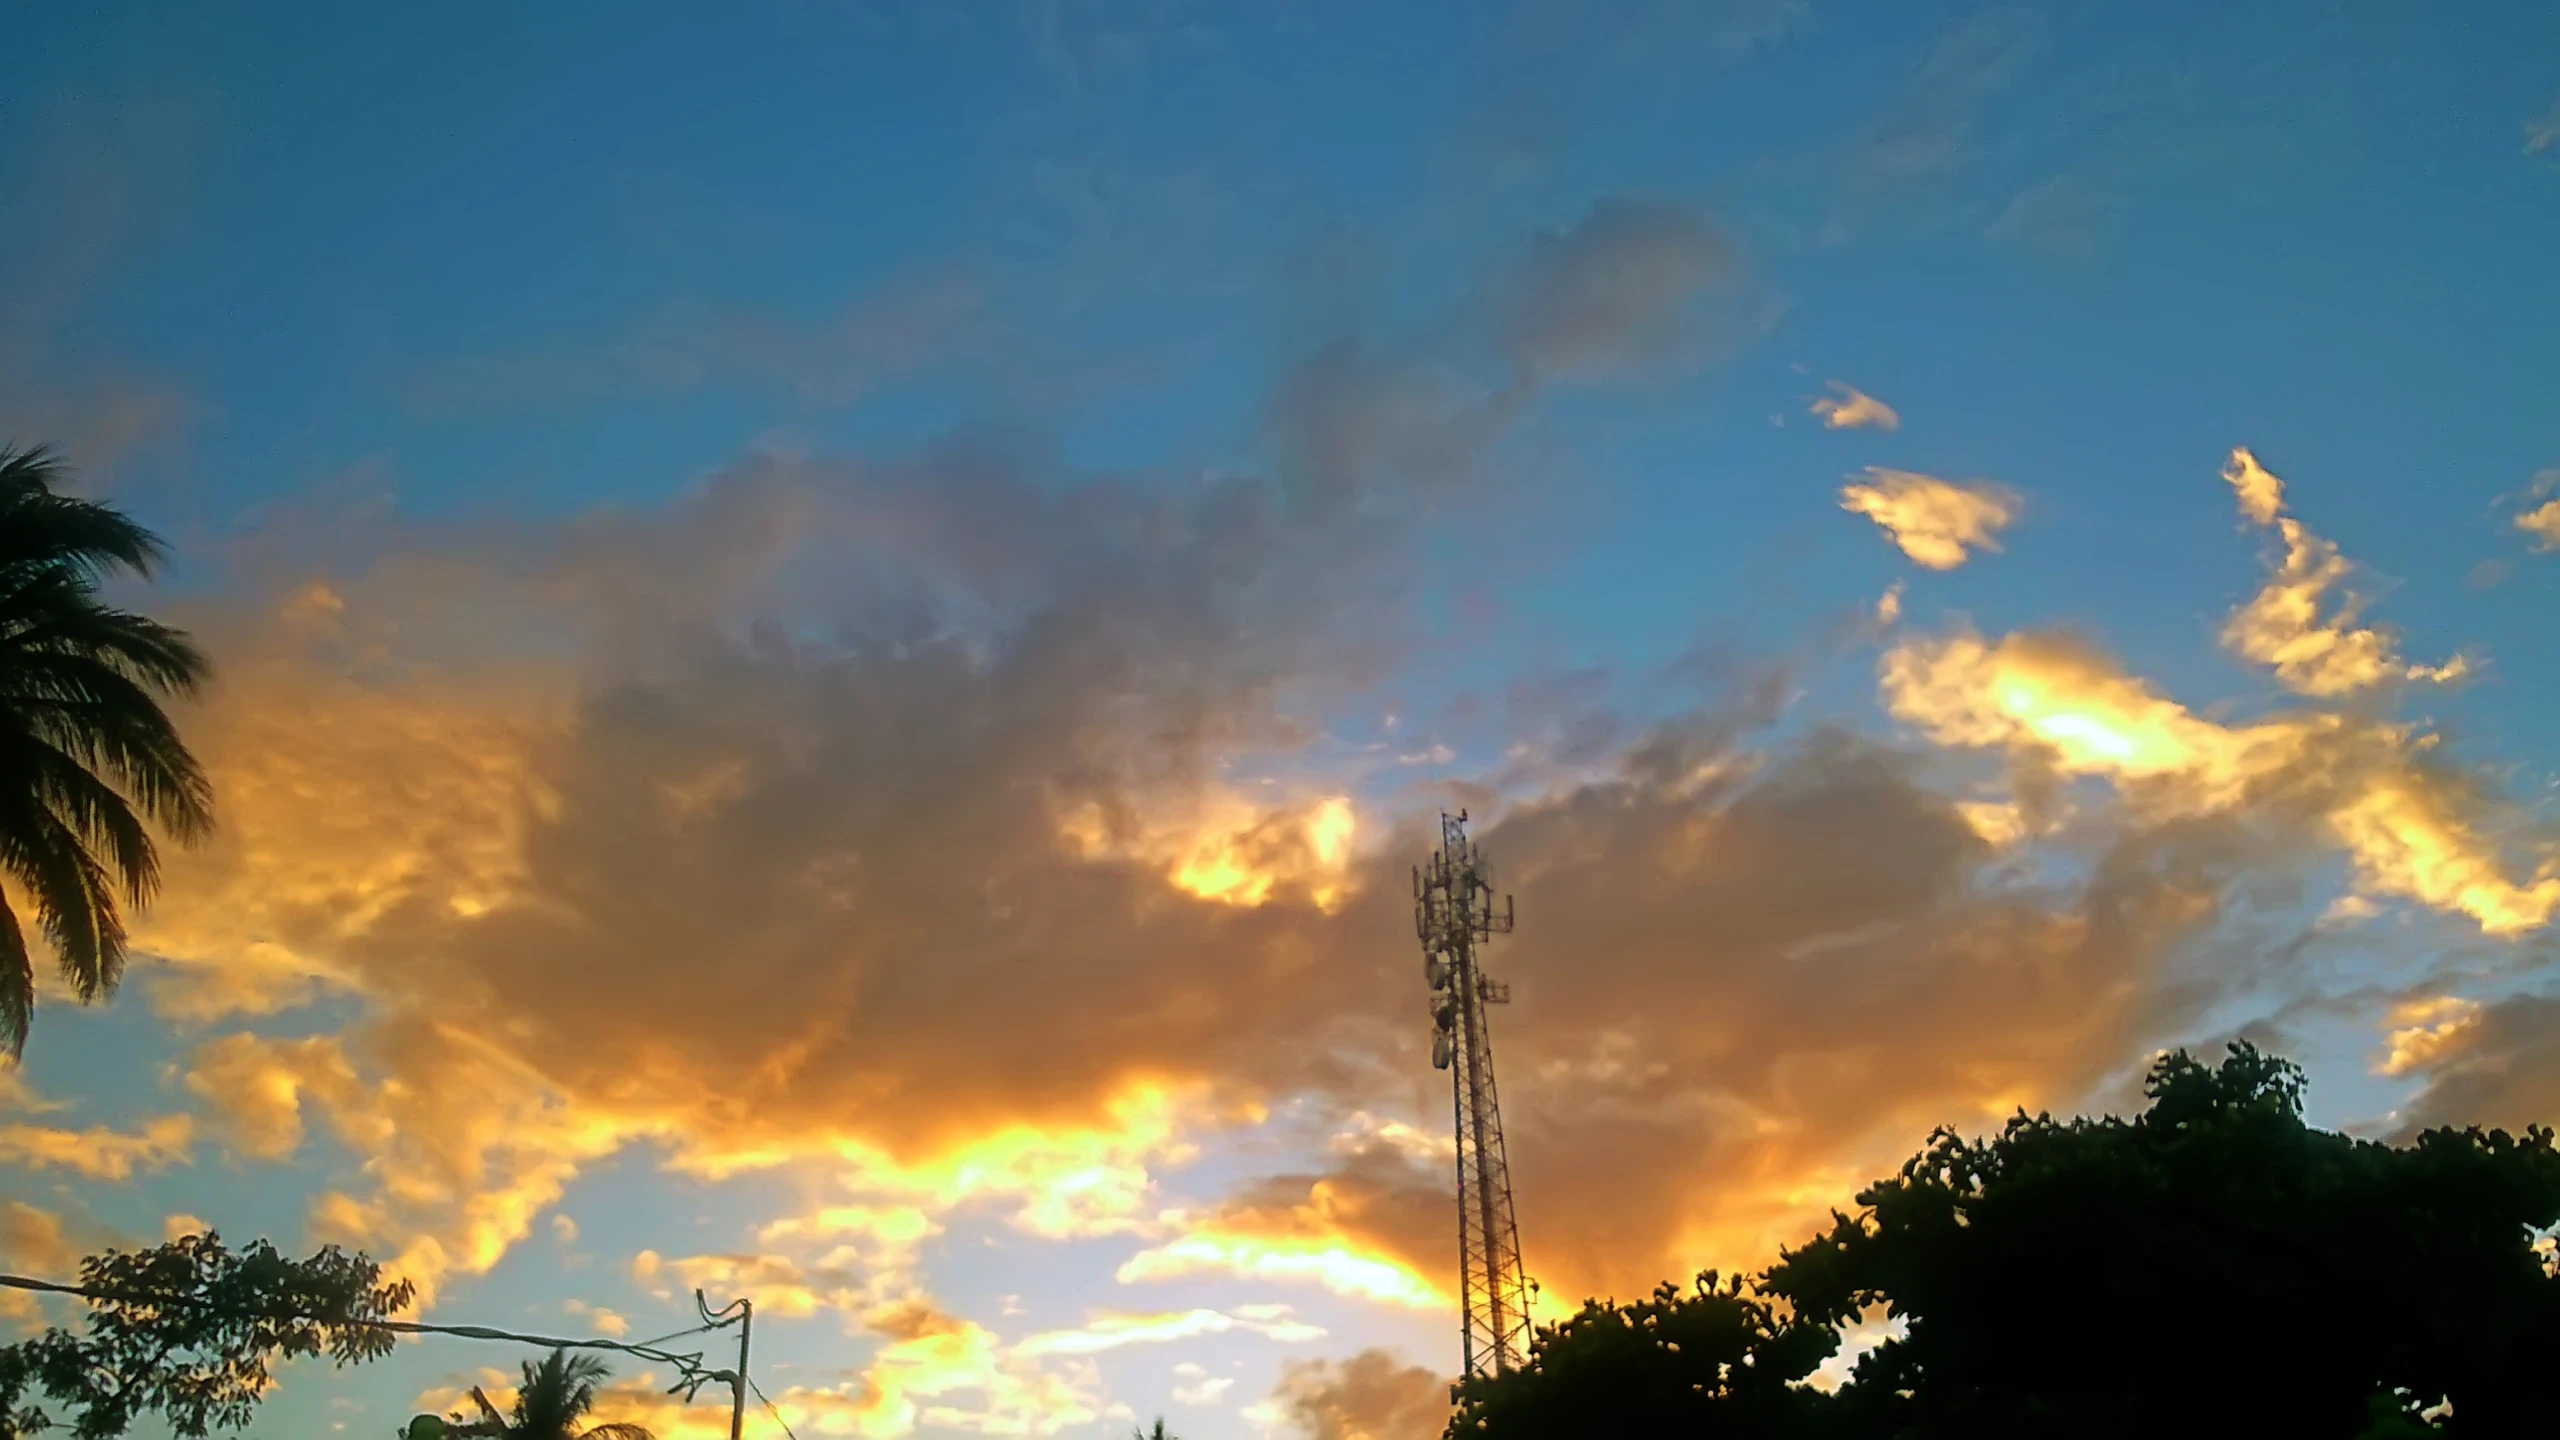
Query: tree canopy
x: 2212, y: 1266
x: 188, y: 1330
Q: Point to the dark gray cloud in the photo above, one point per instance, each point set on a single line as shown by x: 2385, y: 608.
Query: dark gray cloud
x: 1625, y: 291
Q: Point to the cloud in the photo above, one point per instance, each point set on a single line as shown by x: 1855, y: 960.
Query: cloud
x: 1938, y: 523
x: 1371, y: 1396
x: 779, y: 1284
x: 2282, y: 627
x: 951, y: 765
x: 2544, y: 133
x: 464, y: 1144
x: 1362, y: 1229
x: 16, y: 1094
x: 1114, y: 1331
x: 2542, y: 522
x: 1854, y: 409
x: 2493, y: 1064
x: 2411, y: 827
x: 100, y: 1153
x: 1196, y: 1386
x: 1620, y: 293
x: 33, y: 1241
x: 605, y: 1322
x: 2427, y: 1030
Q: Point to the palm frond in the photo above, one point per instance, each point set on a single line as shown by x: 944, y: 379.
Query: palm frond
x: 41, y: 527
x: 87, y: 754
x: 74, y: 901
x: 17, y: 983
x: 97, y: 816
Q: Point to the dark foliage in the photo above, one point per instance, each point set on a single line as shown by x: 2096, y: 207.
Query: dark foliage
x: 87, y: 756
x: 2213, y: 1266
x: 190, y: 1335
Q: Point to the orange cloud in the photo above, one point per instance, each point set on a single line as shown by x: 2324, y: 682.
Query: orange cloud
x: 1938, y: 523
x: 2411, y: 829
x: 1853, y: 409
x: 1364, y: 1230
x: 33, y: 1240
x: 2426, y: 1031
x: 100, y: 1153
x: 1222, y: 848
x: 2282, y: 626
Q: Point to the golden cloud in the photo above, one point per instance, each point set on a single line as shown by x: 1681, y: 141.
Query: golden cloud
x: 1849, y: 408
x: 1362, y: 1230
x: 2542, y: 522
x: 2412, y: 829
x: 33, y: 1240
x: 100, y: 1153
x: 2426, y: 1031
x: 604, y: 1321
x: 2282, y: 626
x: 964, y: 906
x: 1938, y: 523
x: 1223, y: 848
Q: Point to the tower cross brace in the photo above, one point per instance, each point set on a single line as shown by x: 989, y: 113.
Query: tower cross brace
x: 1453, y: 913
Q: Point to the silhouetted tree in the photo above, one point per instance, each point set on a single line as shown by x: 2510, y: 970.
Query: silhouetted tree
x: 86, y: 753
x: 2212, y: 1266
x: 1159, y: 1433
x: 557, y: 1393
x: 1717, y: 1359
x: 189, y: 1333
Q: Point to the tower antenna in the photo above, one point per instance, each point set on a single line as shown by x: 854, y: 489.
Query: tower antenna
x: 1452, y: 913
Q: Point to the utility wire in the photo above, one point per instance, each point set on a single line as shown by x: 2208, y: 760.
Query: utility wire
x: 691, y: 1375
x: 769, y: 1407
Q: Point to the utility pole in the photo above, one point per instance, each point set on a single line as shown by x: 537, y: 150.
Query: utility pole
x: 1452, y: 912
x: 738, y: 1382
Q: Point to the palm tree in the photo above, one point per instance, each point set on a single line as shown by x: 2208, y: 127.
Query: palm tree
x: 86, y: 753
x: 556, y: 1392
x: 1161, y: 1433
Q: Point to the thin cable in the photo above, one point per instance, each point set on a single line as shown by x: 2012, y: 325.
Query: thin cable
x: 690, y: 1373
x: 768, y: 1407
x: 680, y: 1334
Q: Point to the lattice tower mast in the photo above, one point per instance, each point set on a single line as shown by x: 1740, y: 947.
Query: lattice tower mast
x: 1453, y: 912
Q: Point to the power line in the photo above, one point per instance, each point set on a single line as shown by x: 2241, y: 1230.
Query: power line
x: 691, y: 1376
x: 769, y: 1407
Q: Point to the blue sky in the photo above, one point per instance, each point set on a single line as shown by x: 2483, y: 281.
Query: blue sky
x: 928, y: 518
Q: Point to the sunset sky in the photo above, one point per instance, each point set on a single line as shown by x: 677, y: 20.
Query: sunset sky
x: 837, y: 623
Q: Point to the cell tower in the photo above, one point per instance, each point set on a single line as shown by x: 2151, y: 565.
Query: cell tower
x: 1452, y: 912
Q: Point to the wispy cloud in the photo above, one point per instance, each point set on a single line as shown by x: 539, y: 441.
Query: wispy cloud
x: 1850, y: 408
x: 2542, y: 521
x: 1938, y: 523
x: 2282, y: 626
x: 2543, y: 133
x: 98, y: 1152
x: 2411, y: 829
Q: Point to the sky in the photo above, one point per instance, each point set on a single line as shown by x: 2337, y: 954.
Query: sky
x: 837, y: 623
